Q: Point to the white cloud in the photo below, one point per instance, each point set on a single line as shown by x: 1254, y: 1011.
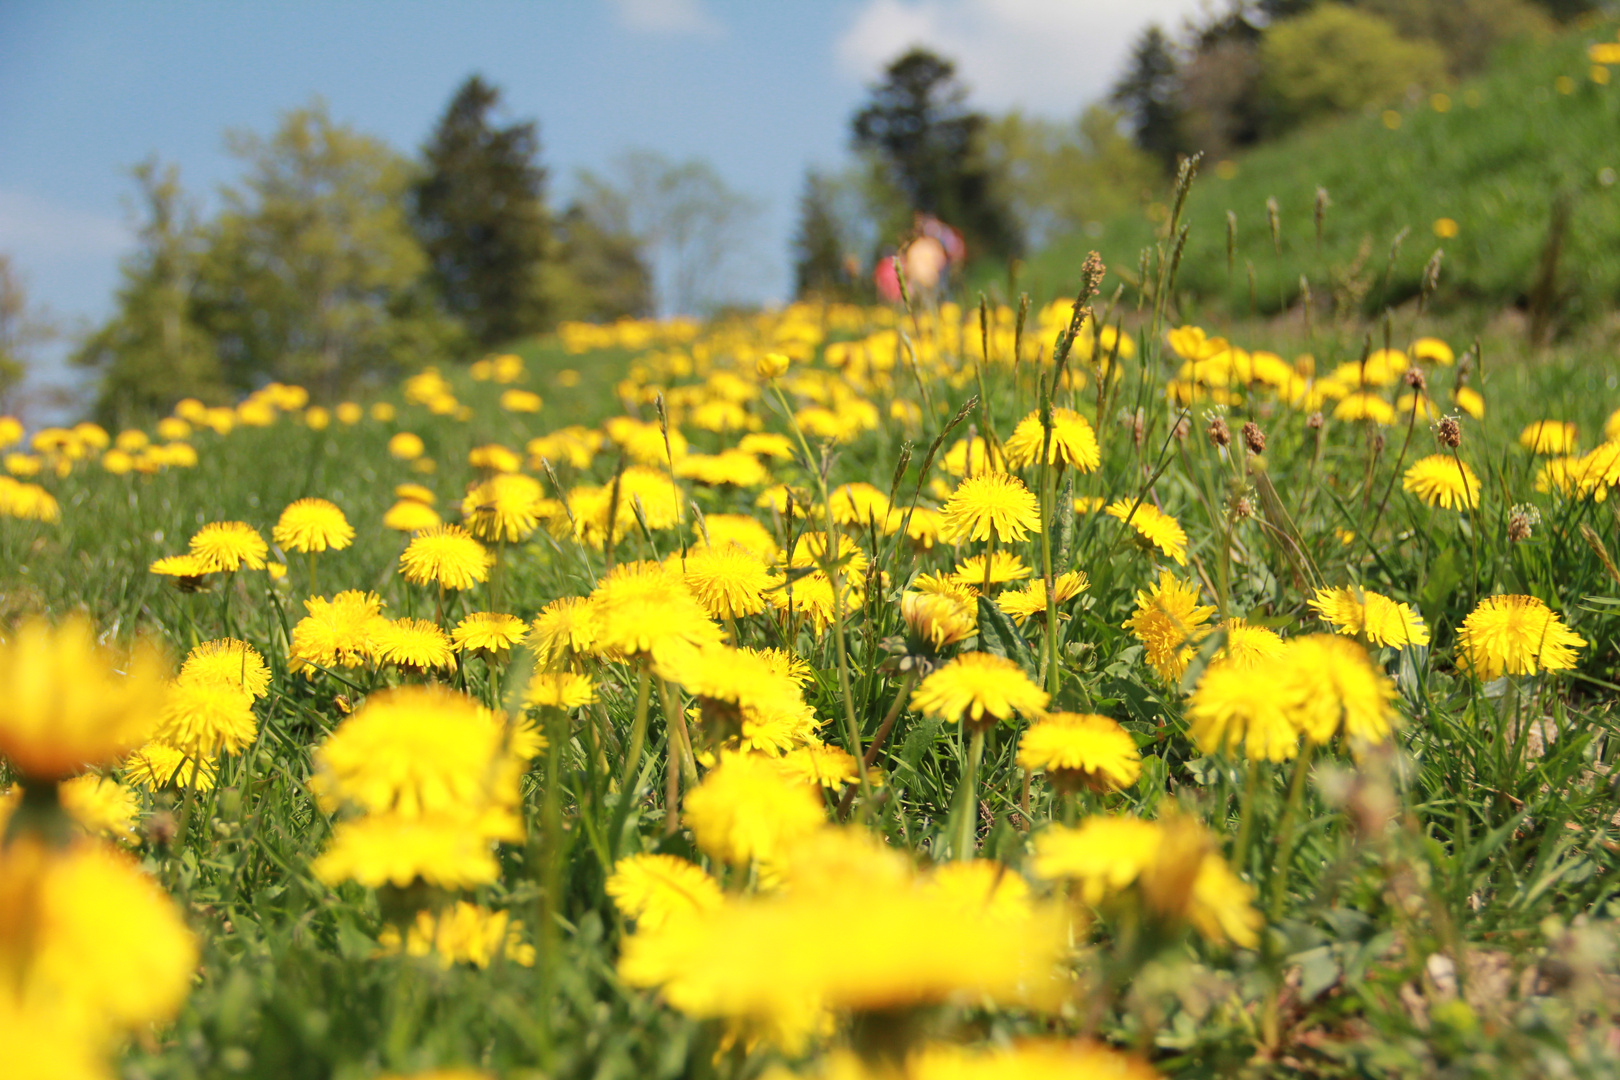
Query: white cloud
x: 667, y: 17
x: 39, y: 230
x: 1046, y: 56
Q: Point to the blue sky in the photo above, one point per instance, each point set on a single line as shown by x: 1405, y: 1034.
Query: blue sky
x: 760, y: 89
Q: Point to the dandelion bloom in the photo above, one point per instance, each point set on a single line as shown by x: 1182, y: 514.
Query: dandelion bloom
x: 991, y: 506
x: 204, y: 717
x: 979, y: 688
x: 1357, y: 612
x: 1073, y: 442
x: 1548, y: 437
x: 312, y: 525
x: 639, y: 607
x: 860, y: 504
x: 814, y: 762
x: 981, y: 888
x: 652, y: 889
x: 936, y: 620
x: 70, y: 702
x: 462, y: 934
x: 100, y: 806
x: 1081, y: 750
x: 1444, y: 481
x: 418, y: 751
x: 559, y: 690
x: 734, y: 467
x: 740, y: 529
x: 1028, y: 1057
x: 1248, y: 646
x: 1105, y: 854
x: 103, y: 953
x: 158, y: 765
x: 228, y: 545
x: 564, y: 628
x: 490, y: 631
x: 230, y: 661
x: 748, y: 809
x: 447, y: 556
x: 1333, y: 687
x: 188, y: 570
x: 1433, y: 350
x: 406, y: 445
x: 1470, y: 401
x: 1030, y: 602
x: 720, y: 673
x: 1365, y: 407
x: 1514, y: 635
x: 448, y: 850
x: 503, y: 507
x: 408, y: 515
x: 337, y: 632
x: 1237, y: 710
x: 1153, y: 525
x: 729, y: 580
x: 1004, y: 566
x: 1169, y: 622
x: 411, y: 643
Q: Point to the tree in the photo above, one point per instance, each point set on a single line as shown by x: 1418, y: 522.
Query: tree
x: 22, y: 329
x: 1059, y: 177
x: 597, y: 273
x: 1147, y: 95
x: 152, y: 353
x: 818, y: 245
x: 928, y: 145
x: 311, y: 272
x: 692, y: 228
x: 1337, y: 59
x: 479, y: 212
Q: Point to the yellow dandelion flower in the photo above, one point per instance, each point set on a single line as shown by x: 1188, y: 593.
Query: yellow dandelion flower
x: 748, y: 809
x: 102, y: 942
x: 463, y: 934
x: 1170, y: 623
x: 202, y: 718
x: 653, y: 889
x: 1548, y: 437
x: 312, y: 525
x: 742, y: 530
x: 1221, y: 907
x: 735, y: 467
x: 860, y: 504
x: 504, y: 507
x: 639, y: 607
x: 1105, y: 855
x: 158, y: 765
x: 1514, y: 635
x: 923, y: 525
x: 411, y: 643
x: 789, y: 665
x: 406, y: 446
x: 729, y: 580
x: 188, y: 570
x: 563, y: 629
x: 1029, y: 1058
x: 70, y: 702
x: 1081, y: 750
x: 937, y: 620
x: 230, y: 661
x: 450, y: 851
x: 980, y: 889
x: 1004, y: 567
x: 416, y: 751
x: 990, y: 506
x: 1357, y: 612
x: 446, y: 555
x: 1153, y: 525
x: 1073, y: 442
x: 1444, y: 481
x: 228, y: 545
x: 408, y: 515
x: 1365, y: 407
x: 1030, y: 602
x: 1433, y: 350
x: 337, y: 632
x: 815, y: 762
x: 100, y: 806
x: 1237, y: 710
x: 1470, y: 401
x: 1331, y: 686
x: 559, y: 690
x: 491, y: 631
x: 979, y: 688
x: 1248, y: 646
x: 720, y: 673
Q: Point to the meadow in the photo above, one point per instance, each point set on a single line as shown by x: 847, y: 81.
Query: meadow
x: 947, y: 690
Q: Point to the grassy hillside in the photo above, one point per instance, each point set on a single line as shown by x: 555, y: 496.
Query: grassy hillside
x: 1494, y: 155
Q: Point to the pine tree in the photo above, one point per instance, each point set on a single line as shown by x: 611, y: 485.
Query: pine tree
x: 928, y: 143
x: 479, y: 211
x: 152, y: 353
x: 818, y: 246
x: 1147, y: 94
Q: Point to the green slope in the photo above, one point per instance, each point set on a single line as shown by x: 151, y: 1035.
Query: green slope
x: 1511, y: 144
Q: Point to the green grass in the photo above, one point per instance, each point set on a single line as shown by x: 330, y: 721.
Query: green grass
x: 1508, y: 149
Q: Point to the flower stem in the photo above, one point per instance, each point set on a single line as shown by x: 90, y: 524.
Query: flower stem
x: 1285, y: 831
x: 968, y: 801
